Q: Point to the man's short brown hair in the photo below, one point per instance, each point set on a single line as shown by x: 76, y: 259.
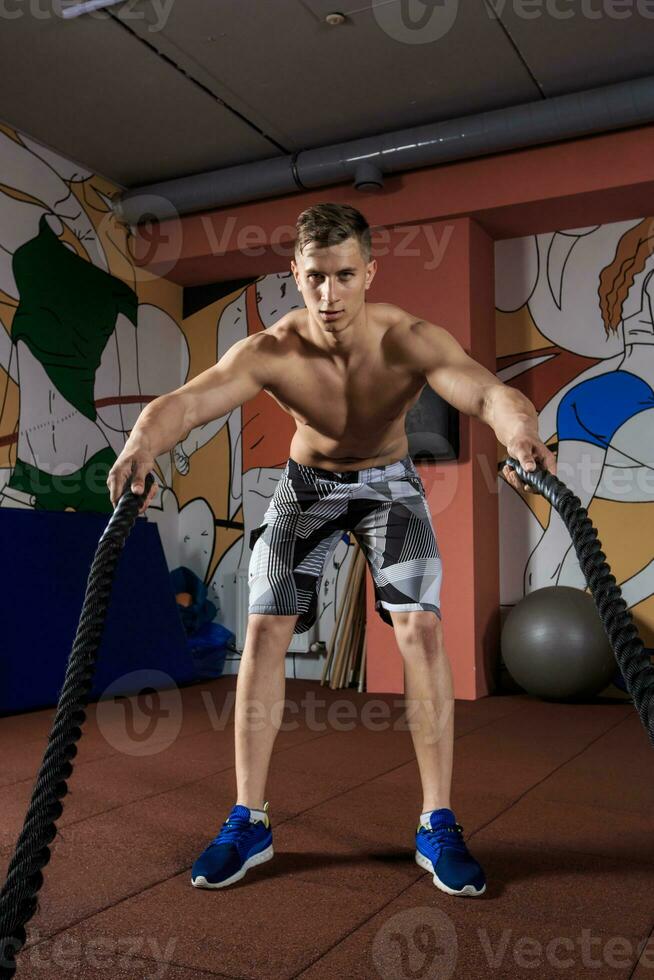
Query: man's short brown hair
x: 331, y: 224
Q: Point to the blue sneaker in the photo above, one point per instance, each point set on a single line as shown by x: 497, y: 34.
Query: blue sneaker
x: 440, y: 849
x: 240, y: 845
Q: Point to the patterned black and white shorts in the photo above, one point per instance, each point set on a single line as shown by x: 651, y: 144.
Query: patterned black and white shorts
x: 383, y: 507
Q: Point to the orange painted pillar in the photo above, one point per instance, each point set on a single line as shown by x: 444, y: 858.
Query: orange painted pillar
x: 443, y: 272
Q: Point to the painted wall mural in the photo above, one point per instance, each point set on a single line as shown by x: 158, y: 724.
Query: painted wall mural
x: 575, y: 333
x: 87, y: 340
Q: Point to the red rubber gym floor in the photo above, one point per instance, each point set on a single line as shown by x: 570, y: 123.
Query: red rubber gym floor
x: 556, y: 801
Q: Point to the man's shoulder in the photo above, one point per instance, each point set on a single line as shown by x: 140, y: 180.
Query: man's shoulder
x: 269, y: 348
x: 391, y: 316
x: 411, y: 338
x: 284, y: 332
x: 405, y: 325
x: 270, y: 337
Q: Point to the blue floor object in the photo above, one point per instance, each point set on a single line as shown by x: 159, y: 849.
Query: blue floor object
x: 208, y: 647
x: 46, y: 561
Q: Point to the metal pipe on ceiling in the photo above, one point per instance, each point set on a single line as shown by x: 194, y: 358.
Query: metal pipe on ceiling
x: 365, y: 161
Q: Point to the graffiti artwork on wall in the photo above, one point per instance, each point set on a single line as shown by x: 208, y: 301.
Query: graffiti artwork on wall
x: 82, y: 353
x: 576, y: 335
x: 87, y: 339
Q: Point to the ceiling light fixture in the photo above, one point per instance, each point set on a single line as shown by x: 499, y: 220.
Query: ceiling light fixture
x: 335, y: 20
x: 76, y: 9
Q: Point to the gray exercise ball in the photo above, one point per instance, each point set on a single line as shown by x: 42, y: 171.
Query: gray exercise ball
x: 554, y: 644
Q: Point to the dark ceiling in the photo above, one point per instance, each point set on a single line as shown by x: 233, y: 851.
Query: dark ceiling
x: 155, y: 89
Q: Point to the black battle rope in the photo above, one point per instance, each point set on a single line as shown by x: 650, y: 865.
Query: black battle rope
x: 620, y: 628
x: 18, y: 901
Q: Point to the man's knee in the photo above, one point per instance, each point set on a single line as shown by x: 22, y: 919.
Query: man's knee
x: 417, y: 629
x: 262, y: 625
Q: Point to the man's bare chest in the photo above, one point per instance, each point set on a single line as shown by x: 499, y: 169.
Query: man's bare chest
x: 319, y: 393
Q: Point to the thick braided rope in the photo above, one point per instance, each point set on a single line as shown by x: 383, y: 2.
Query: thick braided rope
x: 629, y: 650
x: 18, y: 901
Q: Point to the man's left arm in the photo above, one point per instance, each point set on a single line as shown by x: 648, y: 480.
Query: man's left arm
x: 475, y: 391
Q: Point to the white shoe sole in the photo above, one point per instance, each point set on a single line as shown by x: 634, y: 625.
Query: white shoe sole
x: 260, y: 858
x: 470, y: 890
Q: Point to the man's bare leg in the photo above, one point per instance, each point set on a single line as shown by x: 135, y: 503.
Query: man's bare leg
x: 429, y: 697
x: 260, y: 685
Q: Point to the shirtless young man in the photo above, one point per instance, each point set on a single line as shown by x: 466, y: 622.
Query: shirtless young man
x: 347, y: 371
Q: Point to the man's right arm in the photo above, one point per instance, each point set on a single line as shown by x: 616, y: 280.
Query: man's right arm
x: 239, y: 375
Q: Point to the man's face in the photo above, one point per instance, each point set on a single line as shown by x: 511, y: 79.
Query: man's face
x: 333, y: 280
